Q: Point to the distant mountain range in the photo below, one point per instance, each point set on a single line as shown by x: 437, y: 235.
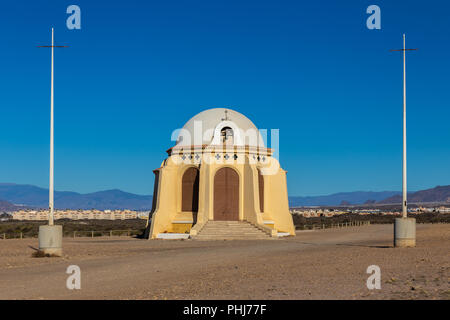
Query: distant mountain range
x: 341, y: 198
x: 437, y: 194
x: 32, y: 196
x: 6, y: 206
x: 15, y: 196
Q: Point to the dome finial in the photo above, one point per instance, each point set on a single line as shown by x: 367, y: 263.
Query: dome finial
x: 226, y: 116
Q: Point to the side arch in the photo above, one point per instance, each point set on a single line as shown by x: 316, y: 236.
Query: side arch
x: 189, y: 190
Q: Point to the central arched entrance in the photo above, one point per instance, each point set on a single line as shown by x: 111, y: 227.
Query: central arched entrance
x: 226, y: 194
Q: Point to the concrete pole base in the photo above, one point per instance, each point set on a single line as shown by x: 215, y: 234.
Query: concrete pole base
x: 404, y: 232
x: 50, y: 240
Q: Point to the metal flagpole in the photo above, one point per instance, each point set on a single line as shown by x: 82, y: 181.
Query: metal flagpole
x: 51, y: 192
x: 51, y: 182
x: 404, y: 186
x: 50, y: 236
x: 404, y: 228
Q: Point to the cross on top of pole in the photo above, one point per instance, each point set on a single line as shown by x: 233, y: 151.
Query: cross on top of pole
x: 52, y: 46
x: 404, y: 49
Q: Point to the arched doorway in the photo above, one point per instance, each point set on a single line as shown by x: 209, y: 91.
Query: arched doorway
x: 189, y: 191
x: 226, y: 194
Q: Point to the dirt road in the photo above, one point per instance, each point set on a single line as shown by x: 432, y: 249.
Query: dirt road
x: 328, y: 264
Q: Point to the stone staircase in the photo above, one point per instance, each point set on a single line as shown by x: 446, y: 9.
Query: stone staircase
x: 231, y: 230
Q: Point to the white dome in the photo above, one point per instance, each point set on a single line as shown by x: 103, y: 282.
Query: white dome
x: 206, y: 126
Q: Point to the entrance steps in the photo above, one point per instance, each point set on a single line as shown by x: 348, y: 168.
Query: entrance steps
x: 231, y: 230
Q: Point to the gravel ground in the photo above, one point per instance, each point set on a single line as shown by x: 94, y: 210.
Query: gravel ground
x: 321, y: 264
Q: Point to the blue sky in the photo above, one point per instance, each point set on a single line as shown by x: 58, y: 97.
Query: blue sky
x: 138, y: 70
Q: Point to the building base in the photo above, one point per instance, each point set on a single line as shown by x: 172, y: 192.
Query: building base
x: 50, y: 240
x: 404, y: 232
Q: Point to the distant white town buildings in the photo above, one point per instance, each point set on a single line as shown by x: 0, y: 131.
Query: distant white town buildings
x: 79, y: 214
x: 310, y: 212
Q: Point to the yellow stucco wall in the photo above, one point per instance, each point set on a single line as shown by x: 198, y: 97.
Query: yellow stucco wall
x: 277, y: 203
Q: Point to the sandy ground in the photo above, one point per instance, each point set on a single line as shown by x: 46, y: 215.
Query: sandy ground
x: 325, y: 264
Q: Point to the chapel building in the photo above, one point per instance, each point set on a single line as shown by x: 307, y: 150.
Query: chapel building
x: 219, y: 181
